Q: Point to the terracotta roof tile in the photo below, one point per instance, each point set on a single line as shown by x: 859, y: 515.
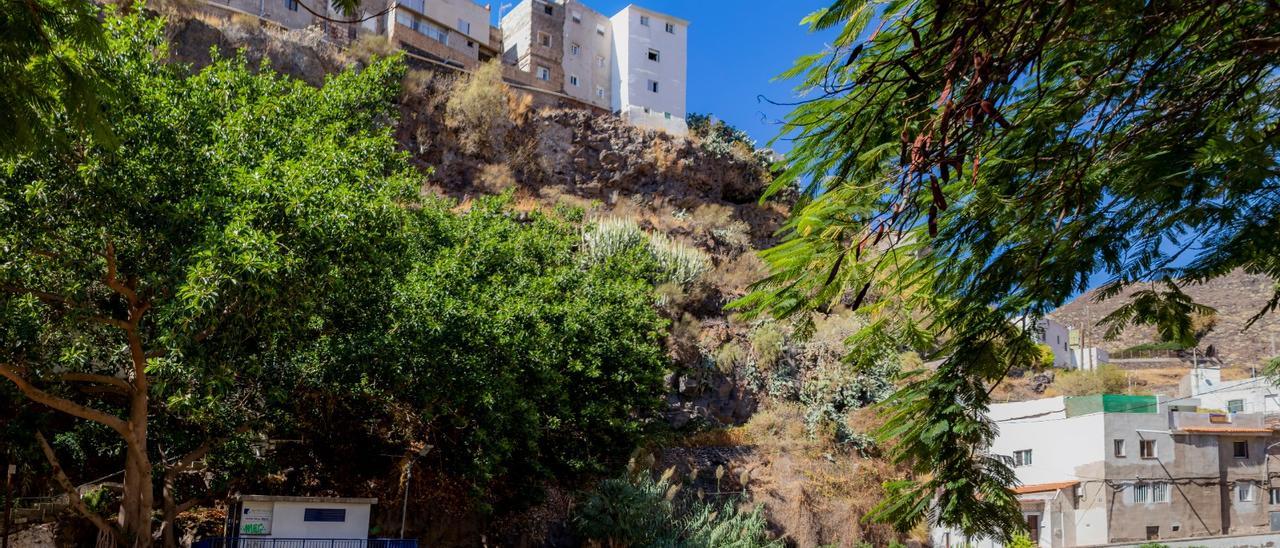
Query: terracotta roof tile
x: 1224, y: 430
x: 1044, y: 487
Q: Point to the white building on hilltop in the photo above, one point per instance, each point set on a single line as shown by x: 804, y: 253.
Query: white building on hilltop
x: 634, y: 63
x: 650, y: 68
x: 1068, y: 352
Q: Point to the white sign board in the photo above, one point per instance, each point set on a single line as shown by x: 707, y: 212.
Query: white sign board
x: 255, y: 519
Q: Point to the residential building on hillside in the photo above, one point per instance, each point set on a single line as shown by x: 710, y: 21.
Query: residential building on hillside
x: 455, y: 32
x: 650, y: 68
x: 1111, y: 468
x: 1251, y: 395
x: 634, y: 63
x: 1068, y: 350
x: 533, y: 37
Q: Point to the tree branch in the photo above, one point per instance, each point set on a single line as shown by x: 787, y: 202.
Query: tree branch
x: 62, y: 404
x: 115, y: 384
x: 73, y: 494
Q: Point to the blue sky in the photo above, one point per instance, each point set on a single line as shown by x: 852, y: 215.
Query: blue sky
x: 736, y: 48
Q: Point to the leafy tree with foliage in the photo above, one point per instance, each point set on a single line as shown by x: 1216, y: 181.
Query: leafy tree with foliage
x: 146, y: 281
x: 973, y: 162
x: 52, y: 82
x: 520, y: 359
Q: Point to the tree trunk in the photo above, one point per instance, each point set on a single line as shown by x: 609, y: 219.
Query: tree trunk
x: 138, y: 500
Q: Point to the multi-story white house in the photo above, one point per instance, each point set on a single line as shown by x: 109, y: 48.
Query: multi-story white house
x: 650, y: 68
x: 1251, y: 395
x: 634, y: 63
x: 1105, y: 469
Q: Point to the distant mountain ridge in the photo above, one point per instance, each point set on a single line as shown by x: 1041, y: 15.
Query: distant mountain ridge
x: 1236, y: 297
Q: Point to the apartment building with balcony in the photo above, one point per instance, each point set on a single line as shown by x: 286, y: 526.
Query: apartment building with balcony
x: 1095, y: 470
x: 650, y: 68
x: 454, y: 32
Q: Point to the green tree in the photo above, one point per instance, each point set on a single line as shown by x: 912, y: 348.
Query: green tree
x: 50, y: 57
x: 972, y: 162
x: 148, y: 281
x: 521, y: 358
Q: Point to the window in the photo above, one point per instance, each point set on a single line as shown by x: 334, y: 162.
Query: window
x: 1022, y: 457
x: 1244, y: 491
x: 1118, y: 448
x: 600, y: 61
x: 1141, y: 492
x: 1153, y: 532
x: 1147, y: 449
x: 574, y: 49
x: 1235, y: 406
x: 644, y: 20
x: 654, y: 55
x: 653, y: 86
x: 544, y: 73
x: 600, y: 92
x: 1275, y: 495
x: 1240, y: 449
x: 1160, y: 492
x: 600, y: 30
x: 573, y: 80
x: 577, y: 17
x: 544, y: 39
x: 464, y: 27
x: 666, y: 115
x: 547, y: 9
x: 324, y: 514
x: 671, y: 29
x: 291, y: 5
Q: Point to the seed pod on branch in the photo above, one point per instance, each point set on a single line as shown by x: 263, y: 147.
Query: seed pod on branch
x: 933, y: 220
x: 990, y: 109
x: 939, y: 200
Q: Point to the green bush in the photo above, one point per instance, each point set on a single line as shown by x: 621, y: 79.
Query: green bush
x: 643, y: 512
x: 1020, y: 540
x: 675, y: 262
x: 1106, y: 379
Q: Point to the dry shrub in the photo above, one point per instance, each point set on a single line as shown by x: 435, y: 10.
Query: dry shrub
x: 368, y: 47
x: 519, y: 106
x: 245, y: 21
x: 664, y: 156
x: 736, y: 275
x: 1106, y: 379
x: 477, y: 110
x: 496, y: 178
x: 721, y: 222
x: 730, y: 356
x: 735, y: 436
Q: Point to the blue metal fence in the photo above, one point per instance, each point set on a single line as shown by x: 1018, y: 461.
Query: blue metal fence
x: 249, y: 542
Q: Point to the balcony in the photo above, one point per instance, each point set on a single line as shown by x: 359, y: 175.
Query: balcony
x: 1232, y: 424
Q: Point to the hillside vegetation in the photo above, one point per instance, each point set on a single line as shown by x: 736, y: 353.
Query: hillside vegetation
x: 405, y: 268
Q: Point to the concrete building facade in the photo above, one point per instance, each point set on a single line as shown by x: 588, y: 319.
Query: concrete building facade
x: 634, y: 63
x: 1252, y: 395
x: 1107, y: 469
x: 533, y: 39
x: 650, y: 68
x: 588, y: 55
x: 455, y: 32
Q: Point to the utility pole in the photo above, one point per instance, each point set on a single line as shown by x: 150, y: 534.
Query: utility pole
x: 8, y: 502
x: 408, y: 476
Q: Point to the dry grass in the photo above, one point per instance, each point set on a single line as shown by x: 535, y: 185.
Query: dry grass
x: 368, y: 47
x: 736, y: 436
x: 664, y: 156
x: 495, y: 178
x: 478, y: 110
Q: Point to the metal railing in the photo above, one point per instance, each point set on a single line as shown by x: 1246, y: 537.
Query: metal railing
x: 244, y: 542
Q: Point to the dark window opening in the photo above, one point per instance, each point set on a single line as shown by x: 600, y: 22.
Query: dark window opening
x: 324, y: 514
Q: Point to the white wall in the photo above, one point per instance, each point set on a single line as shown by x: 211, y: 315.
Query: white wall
x: 634, y: 70
x: 287, y: 520
x: 1058, y: 337
x: 1259, y: 394
x: 593, y: 47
